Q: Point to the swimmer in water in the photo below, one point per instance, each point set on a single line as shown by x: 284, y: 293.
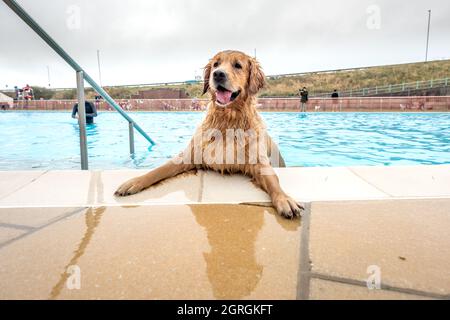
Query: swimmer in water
x: 91, y: 111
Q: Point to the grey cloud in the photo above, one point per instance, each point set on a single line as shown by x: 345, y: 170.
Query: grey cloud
x: 170, y: 40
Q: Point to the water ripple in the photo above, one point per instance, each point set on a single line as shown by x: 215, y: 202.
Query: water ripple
x: 49, y: 140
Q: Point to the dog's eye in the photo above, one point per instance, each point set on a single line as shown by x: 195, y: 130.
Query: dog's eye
x: 237, y: 65
x: 216, y: 64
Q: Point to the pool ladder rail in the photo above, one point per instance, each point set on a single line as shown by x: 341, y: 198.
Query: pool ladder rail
x: 81, y: 76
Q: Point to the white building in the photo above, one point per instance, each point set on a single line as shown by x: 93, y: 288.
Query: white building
x: 5, y: 101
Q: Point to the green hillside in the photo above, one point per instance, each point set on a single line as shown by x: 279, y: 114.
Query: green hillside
x: 316, y: 82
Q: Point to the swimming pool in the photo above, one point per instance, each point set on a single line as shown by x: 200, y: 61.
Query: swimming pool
x: 49, y: 140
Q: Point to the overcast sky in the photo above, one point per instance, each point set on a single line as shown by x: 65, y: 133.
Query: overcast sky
x: 170, y: 40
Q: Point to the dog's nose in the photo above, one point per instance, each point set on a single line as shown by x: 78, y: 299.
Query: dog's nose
x: 219, y: 76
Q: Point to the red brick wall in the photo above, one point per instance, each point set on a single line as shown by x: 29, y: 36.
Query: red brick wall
x: 162, y: 93
x: 377, y: 104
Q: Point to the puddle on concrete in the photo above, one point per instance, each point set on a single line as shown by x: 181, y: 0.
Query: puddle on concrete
x: 231, y: 263
x: 92, y: 219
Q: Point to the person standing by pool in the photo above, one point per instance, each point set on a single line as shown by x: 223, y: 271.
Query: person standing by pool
x: 91, y: 111
x: 335, y: 97
x: 17, y: 93
x: 303, y: 99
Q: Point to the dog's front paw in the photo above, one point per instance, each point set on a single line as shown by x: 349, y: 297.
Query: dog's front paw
x: 287, y: 207
x: 130, y: 187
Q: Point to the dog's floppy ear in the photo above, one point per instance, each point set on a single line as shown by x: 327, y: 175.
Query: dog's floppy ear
x: 206, y: 74
x: 256, y: 77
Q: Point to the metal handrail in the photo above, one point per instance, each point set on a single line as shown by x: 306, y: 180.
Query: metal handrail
x: 391, y: 88
x: 63, y: 54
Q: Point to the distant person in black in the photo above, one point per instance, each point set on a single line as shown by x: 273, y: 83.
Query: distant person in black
x: 334, y: 97
x: 16, y: 90
x: 303, y: 99
x: 91, y: 111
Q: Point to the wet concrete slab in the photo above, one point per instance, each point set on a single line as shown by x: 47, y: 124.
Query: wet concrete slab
x: 207, y: 236
x: 403, y: 243
x: 156, y: 252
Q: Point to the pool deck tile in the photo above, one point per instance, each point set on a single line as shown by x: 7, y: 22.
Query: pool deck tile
x: 35, y: 218
x: 303, y: 184
x: 219, y: 188
x: 96, y: 188
x: 11, y: 181
x: 54, y: 188
x: 408, y: 181
x: 318, y: 184
x: 215, y: 251
x: 8, y: 234
x: 407, y: 240
x: 184, y: 189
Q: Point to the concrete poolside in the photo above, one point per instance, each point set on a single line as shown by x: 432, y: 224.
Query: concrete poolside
x: 206, y: 236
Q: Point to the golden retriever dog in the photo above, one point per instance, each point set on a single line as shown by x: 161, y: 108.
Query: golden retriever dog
x: 232, y: 138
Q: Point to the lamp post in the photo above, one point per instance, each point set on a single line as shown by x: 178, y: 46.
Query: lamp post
x: 428, y: 35
x: 99, y: 70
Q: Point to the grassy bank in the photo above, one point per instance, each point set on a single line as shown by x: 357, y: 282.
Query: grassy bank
x: 316, y: 82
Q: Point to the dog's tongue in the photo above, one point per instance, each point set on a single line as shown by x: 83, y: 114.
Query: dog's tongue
x: 224, y: 97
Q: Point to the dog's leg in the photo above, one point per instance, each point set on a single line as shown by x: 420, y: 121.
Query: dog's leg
x: 265, y: 176
x: 168, y: 170
x: 281, y: 163
x: 272, y: 149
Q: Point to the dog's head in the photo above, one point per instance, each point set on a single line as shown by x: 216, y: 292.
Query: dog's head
x: 232, y: 76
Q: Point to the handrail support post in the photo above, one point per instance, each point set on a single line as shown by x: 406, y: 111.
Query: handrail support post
x: 82, y: 120
x: 131, y: 136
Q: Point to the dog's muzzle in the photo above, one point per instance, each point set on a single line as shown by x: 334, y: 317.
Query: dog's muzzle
x: 224, y: 96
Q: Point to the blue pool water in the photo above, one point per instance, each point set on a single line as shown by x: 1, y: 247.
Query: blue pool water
x: 49, y: 140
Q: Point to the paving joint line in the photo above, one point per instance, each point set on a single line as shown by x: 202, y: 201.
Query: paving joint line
x: 201, y: 187
x: 30, y: 232
x: 16, y: 226
x: 386, y: 287
x: 370, y: 183
x: 304, y: 268
x: 24, y: 185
